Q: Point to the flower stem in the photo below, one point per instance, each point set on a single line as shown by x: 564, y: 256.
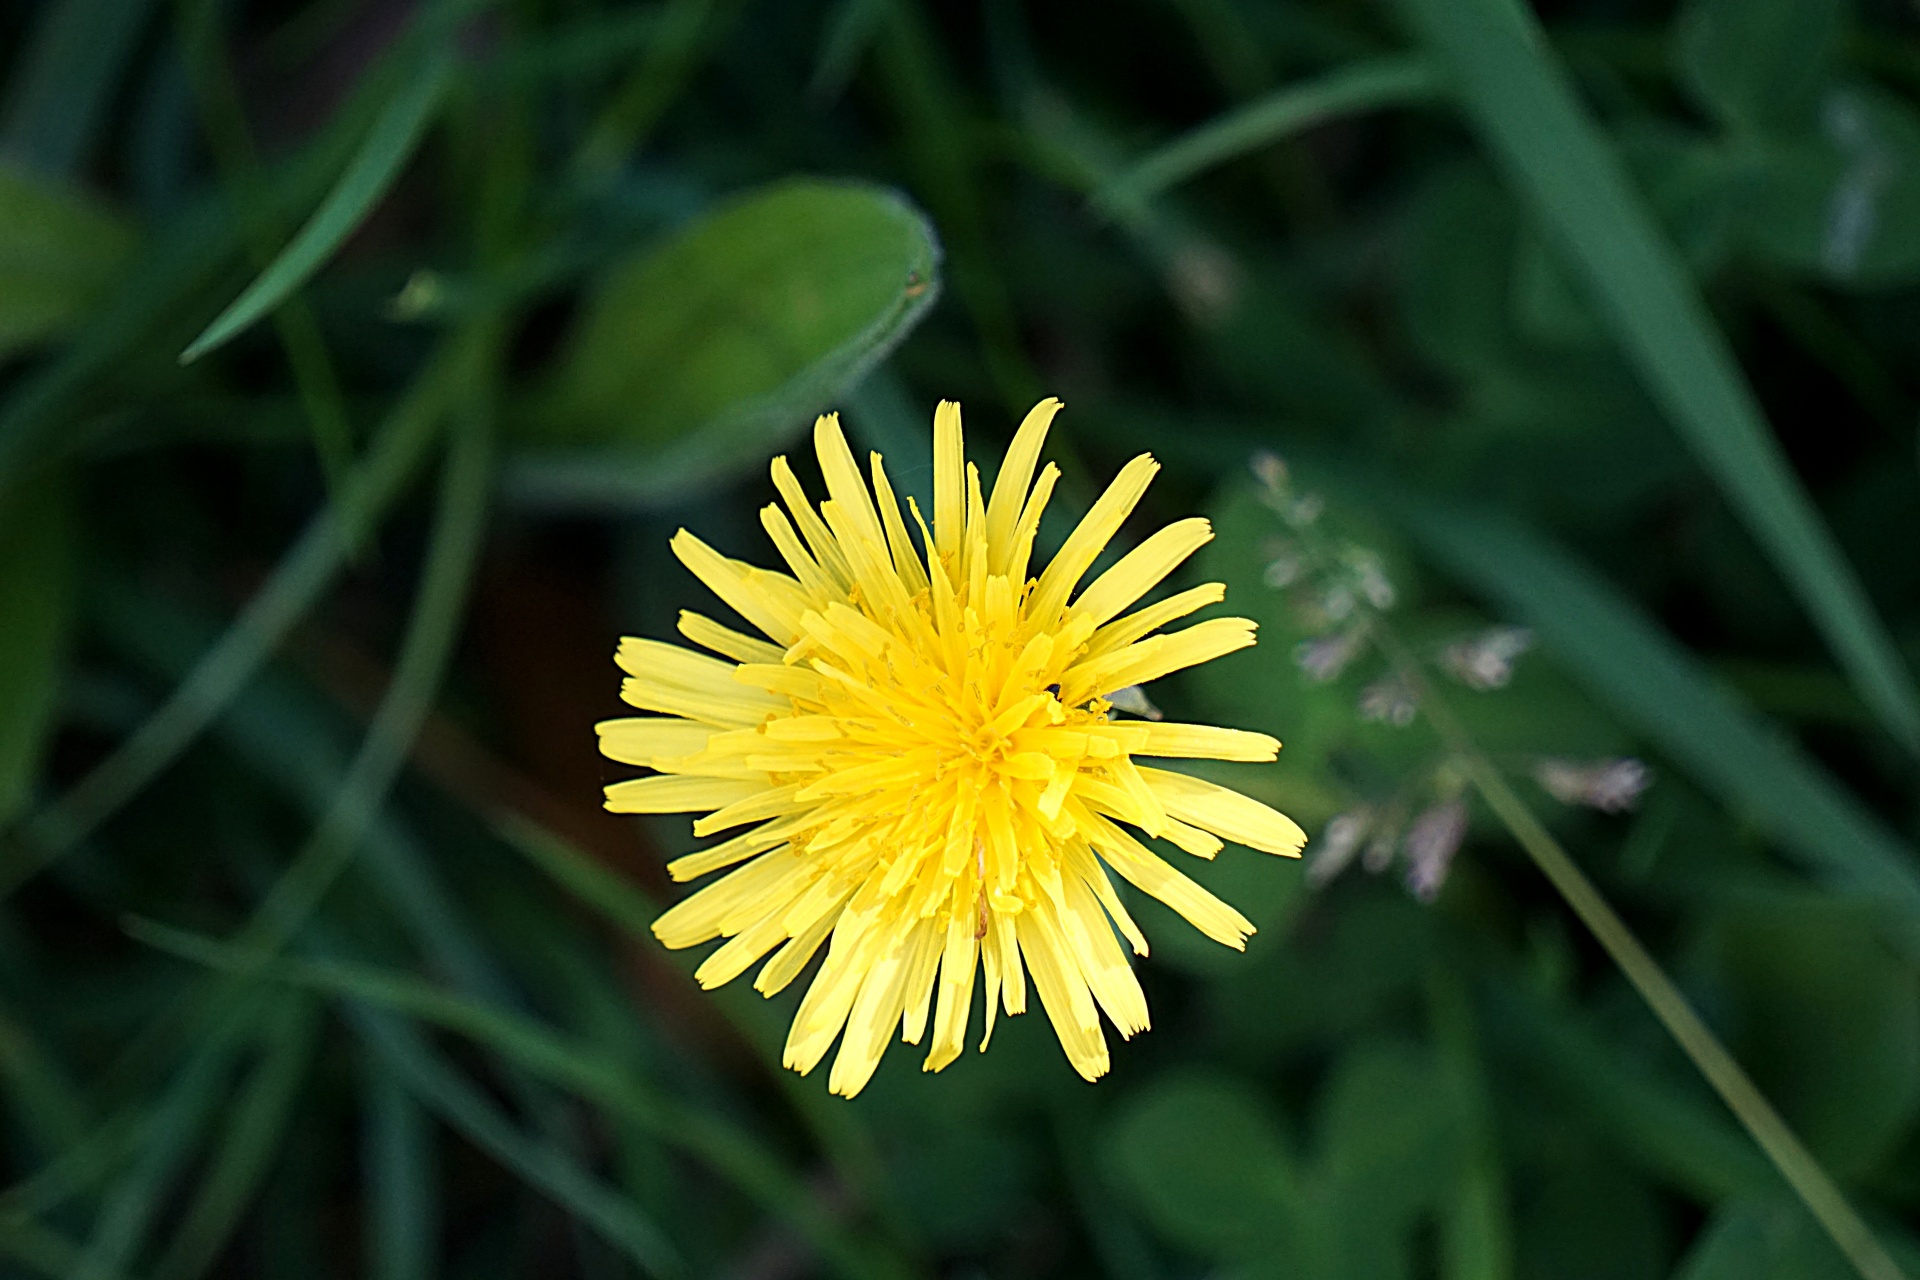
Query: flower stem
x: 1789, y: 1155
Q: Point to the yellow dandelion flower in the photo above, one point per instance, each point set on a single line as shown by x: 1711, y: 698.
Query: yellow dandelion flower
x: 921, y: 757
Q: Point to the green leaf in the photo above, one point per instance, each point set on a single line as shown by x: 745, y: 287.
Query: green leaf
x: 389, y: 144
x: 1635, y: 669
x: 36, y: 601
x: 1527, y: 114
x: 1758, y: 64
x: 697, y: 358
x: 58, y: 253
x: 1827, y: 1019
x: 1203, y: 1157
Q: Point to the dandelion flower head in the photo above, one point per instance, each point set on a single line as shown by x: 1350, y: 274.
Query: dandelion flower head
x: 921, y: 760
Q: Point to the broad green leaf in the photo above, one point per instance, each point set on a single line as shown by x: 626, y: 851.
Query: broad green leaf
x: 697, y: 358
x: 1758, y: 64
x: 1202, y: 1156
x: 36, y: 600
x: 1692, y: 182
x: 1828, y: 1020
x: 58, y: 253
x: 385, y: 150
x: 1516, y: 95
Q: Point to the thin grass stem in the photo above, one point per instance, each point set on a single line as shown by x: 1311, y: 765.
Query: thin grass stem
x: 1366, y: 86
x: 297, y: 583
x: 1803, y: 1172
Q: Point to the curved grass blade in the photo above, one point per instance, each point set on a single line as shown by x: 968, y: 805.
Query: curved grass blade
x: 389, y: 144
x: 1517, y: 98
x: 224, y: 670
x: 176, y: 1127
x: 1364, y: 86
x: 580, y: 875
x: 682, y: 37
x: 224, y: 119
x: 730, y: 1150
x: 87, y: 1163
x: 259, y: 1118
x: 1634, y: 668
x: 459, y: 527
x: 437, y: 1084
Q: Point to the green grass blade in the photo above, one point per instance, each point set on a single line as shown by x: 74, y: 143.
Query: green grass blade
x: 38, y: 1246
x: 37, y: 572
x: 72, y: 66
x: 1516, y: 96
x: 389, y: 144
x: 597, y: 886
x: 258, y: 1120
x: 1631, y: 666
x: 178, y: 1124
x: 681, y: 39
x: 402, y: 1202
x: 1363, y: 86
x: 223, y: 116
x: 453, y: 548
x: 225, y: 669
x: 47, y: 1106
x: 81, y: 1166
x: 728, y: 1149
x: 461, y: 1104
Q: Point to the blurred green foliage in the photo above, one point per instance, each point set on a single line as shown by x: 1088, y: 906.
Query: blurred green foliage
x: 317, y: 954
